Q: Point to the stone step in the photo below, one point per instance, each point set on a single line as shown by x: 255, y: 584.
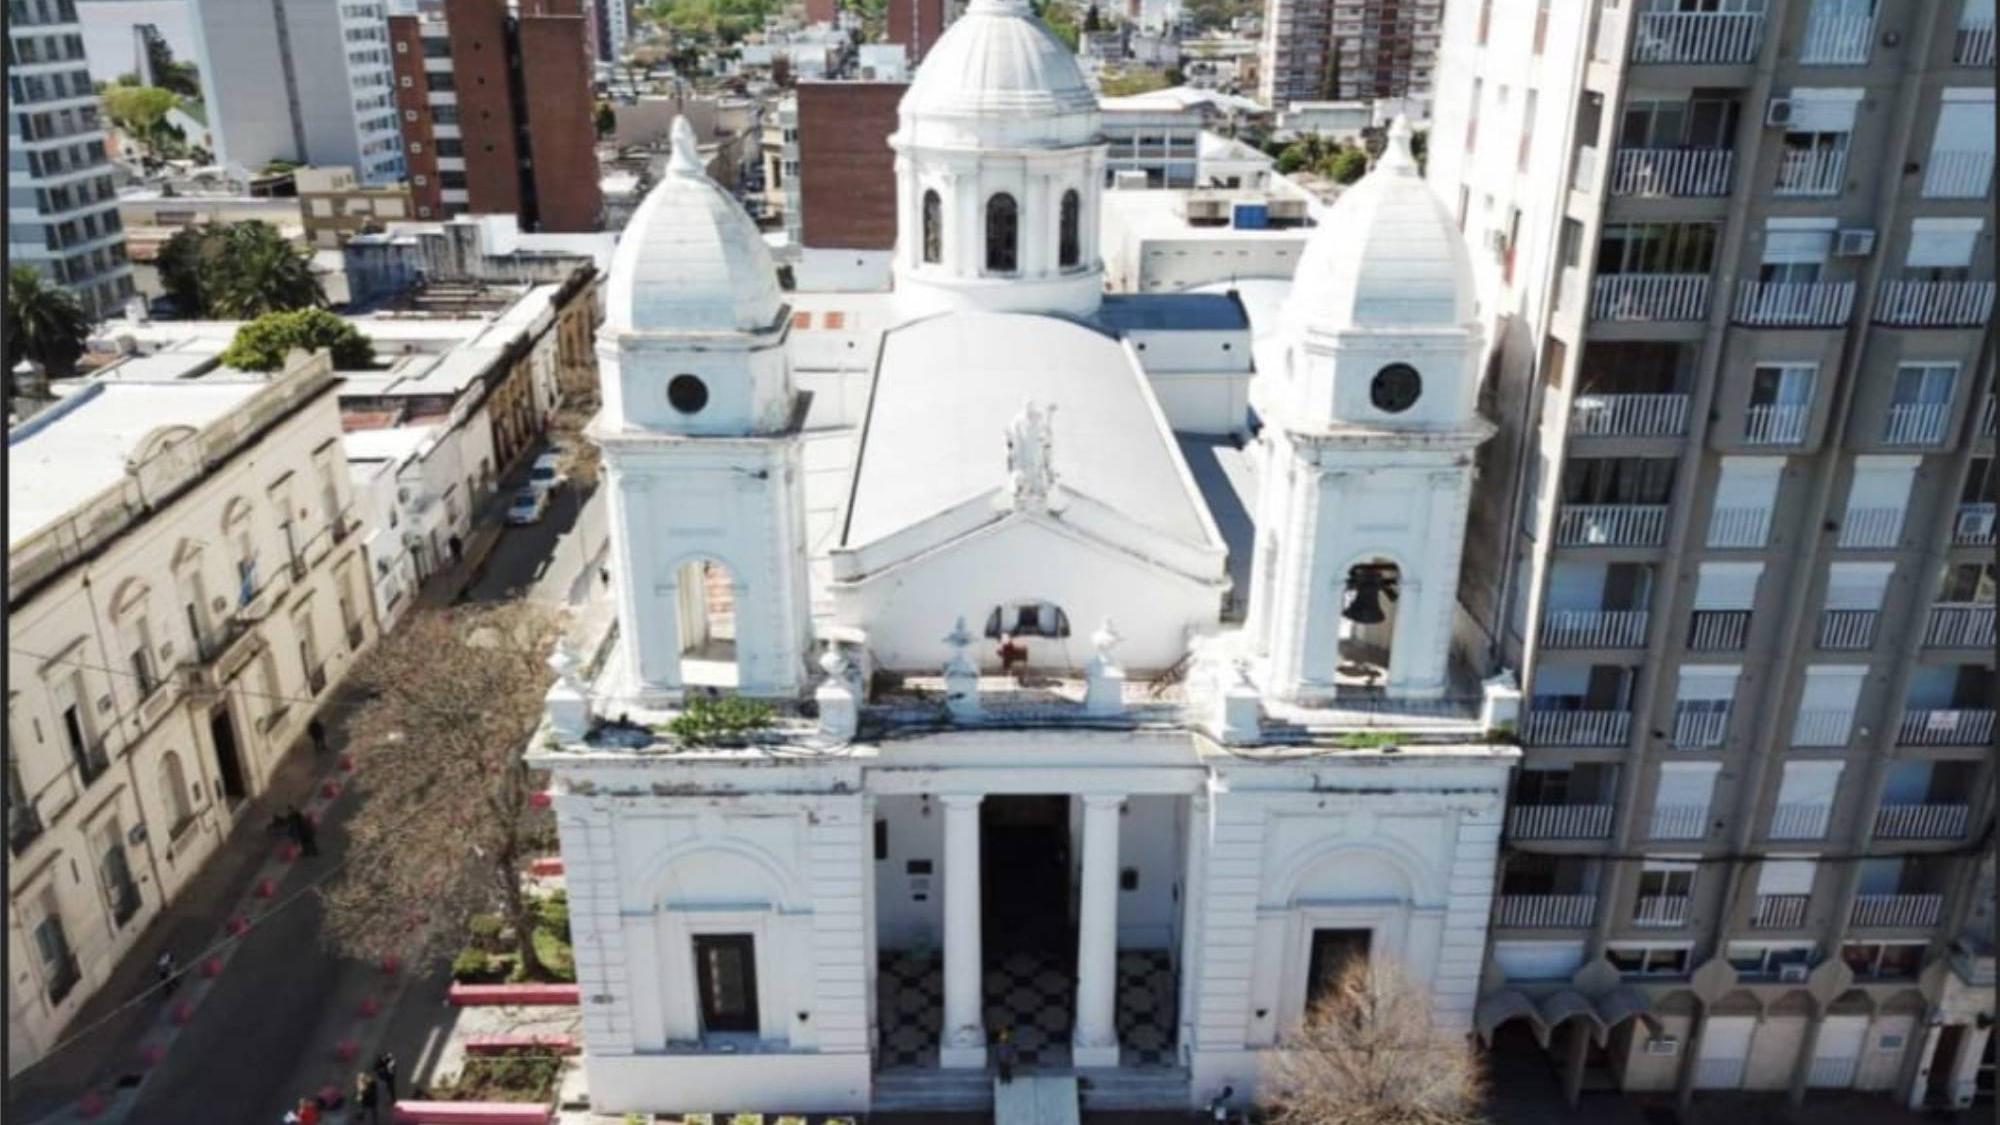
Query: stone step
x: 928, y: 1090
x: 1122, y: 1089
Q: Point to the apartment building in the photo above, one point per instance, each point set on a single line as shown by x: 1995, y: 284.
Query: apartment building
x: 62, y: 205
x: 916, y: 24
x: 1344, y: 50
x: 329, y: 61
x: 1738, y: 265
x: 496, y: 112
x: 184, y: 586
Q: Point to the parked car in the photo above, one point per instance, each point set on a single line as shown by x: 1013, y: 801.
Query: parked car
x: 528, y: 506
x: 546, y: 474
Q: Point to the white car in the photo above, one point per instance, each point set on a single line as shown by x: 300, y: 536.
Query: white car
x: 528, y: 506
x: 546, y: 474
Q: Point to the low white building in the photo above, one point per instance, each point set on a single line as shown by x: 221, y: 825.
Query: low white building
x: 1174, y: 241
x: 185, y: 585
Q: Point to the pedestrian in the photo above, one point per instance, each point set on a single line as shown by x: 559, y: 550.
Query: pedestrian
x: 457, y: 550
x: 169, y: 976
x: 365, y: 1095
x: 295, y: 825
x: 1218, y: 1109
x: 308, y: 836
x: 1005, y: 1055
x: 317, y: 731
x: 385, y: 1073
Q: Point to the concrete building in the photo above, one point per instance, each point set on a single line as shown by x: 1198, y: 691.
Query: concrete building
x: 1160, y: 133
x: 846, y: 183
x: 304, y: 81
x: 334, y: 205
x: 185, y: 587
x: 1210, y: 239
x: 1738, y: 264
x: 497, y: 112
x: 471, y: 248
x: 611, y: 25
x: 916, y: 24
x: 62, y: 215
x: 1345, y: 50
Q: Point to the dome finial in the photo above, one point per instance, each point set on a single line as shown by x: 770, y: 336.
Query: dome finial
x: 686, y: 160
x: 1396, y: 154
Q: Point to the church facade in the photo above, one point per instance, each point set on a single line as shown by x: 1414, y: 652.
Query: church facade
x: 1111, y: 695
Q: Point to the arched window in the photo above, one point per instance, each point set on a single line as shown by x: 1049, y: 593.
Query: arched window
x: 1068, y: 247
x: 174, y: 791
x: 1003, y: 224
x: 933, y: 227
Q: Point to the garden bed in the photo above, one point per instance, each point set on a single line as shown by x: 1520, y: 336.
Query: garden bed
x: 502, y: 1078
x: 489, y: 956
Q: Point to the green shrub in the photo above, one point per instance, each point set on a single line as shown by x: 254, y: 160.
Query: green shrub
x: 705, y: 722
x: 472, y: 966
x: 484, y: 931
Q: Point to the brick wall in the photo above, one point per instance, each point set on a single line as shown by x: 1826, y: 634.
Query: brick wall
x: 561, y: 134
x: 413, y: 113
x: 847, y: 177
x: 485, y: 110
x: 915, y: 24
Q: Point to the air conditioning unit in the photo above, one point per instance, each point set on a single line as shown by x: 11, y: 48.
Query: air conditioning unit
x: 1975, y: 524
x: 1663, y: 1045
x: 1854, y: 244
x: 1793, y: 974
x: 1778, y: 112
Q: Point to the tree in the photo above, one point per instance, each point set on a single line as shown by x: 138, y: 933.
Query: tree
x: 239, y: 270
x: 1347, y: 166
x: 1371, y: 1054
x: 447, y: 815
x: 180, y: 77
x: 262, y: 344
x: 45, y: 323
x: 142, y: 112
x: 605, y: 120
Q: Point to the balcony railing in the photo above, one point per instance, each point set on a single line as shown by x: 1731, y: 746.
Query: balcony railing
x: 1698, y: 37
x: 1697, y: 728
x: 1559, y: 822
x: 1679, y: 822
x: 1973, y: 527
x: 1958, y: 174
x: 1986, y: 418
x: 1915, y: 423
x: 1660, y: 911
x: 1611, y: 525
x: 1847, y: 629
x: 1628, y: 415
x: 1921, y: 822
x: 1896, y: 911
x: 1946, y: 727
x: 92, y: 762
x: 1960, y: 625
x: 1649, y: 296
x: 1871, y: 527
x: 1935, y: 304
x: 1794, y: 304
x: 355, y: 635
x: 1823, y: 727
x: 1671, y: 172
x: 1595, y: 628
x: 67, y: 974
x: 1739, y: 527
x: 1975, y: 43
x: 316, y: 678
x: 1545, y: 912
x: 1775, y: 425
x: 1811, y: 172
x: 1578, y: 728
x: 1719, y: 630
x: 125, y: 903
x: 1800, y: 821
x: 24, y: 825
x: 1837, y: 40
x: 1779, y: 912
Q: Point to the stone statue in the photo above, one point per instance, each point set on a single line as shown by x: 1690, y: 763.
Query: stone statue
x: 1030, y: 465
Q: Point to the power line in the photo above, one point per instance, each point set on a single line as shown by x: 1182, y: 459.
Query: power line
x: 127, y: 673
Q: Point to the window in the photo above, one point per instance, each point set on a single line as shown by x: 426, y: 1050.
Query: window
x: 174, y: 791
x: 933, y: 228
x: 726, y: 980
x: 1068, y: 247
x: 1766, y: 960
x: 1333, y: 952
x: 59, y: 968
x: 121, y: 894
x: 1883, y: 960
x: 1002, y: 234
x: 143, y: 667
x: 1027, y: 619
x: 1649, y: 960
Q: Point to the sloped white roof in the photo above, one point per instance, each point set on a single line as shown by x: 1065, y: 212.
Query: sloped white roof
x: 998, y: 60
x: 691, y: 260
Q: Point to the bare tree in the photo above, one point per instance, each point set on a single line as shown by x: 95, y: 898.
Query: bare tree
x: 1370, y: 1053
x: 446, y: 815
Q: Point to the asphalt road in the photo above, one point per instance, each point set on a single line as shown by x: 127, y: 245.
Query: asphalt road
x: 543, y: 561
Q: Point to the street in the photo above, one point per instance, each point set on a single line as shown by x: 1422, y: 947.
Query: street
x: 545, y: 560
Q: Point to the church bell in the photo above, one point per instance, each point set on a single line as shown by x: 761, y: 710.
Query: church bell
x: 1366, y: 606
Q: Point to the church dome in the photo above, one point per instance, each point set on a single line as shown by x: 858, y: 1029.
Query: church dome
x: 1387, y: 254
x: 998, y: 60
x: 691, y: 260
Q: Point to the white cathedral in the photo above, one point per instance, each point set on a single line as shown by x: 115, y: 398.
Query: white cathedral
x: 1114, y: 697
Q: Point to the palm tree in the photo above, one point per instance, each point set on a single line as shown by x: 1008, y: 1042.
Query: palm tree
x: 262, y: 272
x: 45, y: 323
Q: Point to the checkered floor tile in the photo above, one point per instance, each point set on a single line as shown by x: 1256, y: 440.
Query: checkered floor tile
x: 1033, y: 995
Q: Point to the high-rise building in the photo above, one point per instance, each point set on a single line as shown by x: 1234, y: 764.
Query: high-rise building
x: 1347, y: 50
x: 327, y: 61
x: 611, y: 26
x: 496, y: 107
x: 916, y: 24
x: 62, y: 206
x: 1738, y: 263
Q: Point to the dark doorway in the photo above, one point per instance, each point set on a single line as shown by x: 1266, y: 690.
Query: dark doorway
x: 1982, y: 1080
x: 1944, y: 1060
x: 726, y: 968
x: 1332, y: 952
x: 1024, y: 877
x: 228, y: 761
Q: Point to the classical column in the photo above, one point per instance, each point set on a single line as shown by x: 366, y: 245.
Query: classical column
x: 964, y: 1042
x: 1096, y: 1040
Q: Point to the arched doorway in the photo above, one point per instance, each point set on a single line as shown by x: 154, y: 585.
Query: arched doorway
x: 706, y: 610
x: 1368, y: 624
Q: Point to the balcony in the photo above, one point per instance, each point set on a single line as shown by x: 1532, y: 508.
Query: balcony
x: 1740, y: 528
x: 1811, y: 173
x: 91, y: 761
x: 1958, y: 174
x: 1698, y: 37
x: 1611, y: 525
x: 1545, y: 912
x: 1822, y: 728
x: 1719, y: 630
x: 1578, y: 728
x: 1916, y: 423
x: 1921, y: 822
x: 1779, y: 912
x: 1679, y: 822
x: 1699, y: 728
x: 1896, y: 911
x: 1661, y: 911
x: 1775, y: 425
x: 1800, y: 821
x: 1960, y: 625
x: 1946, y: 727
x: 1837, y: 40
x: 1847, y: 629
x: 1666, y: 173
x: 24, y: 826
x: 355, y: 635
x: 1628, y: 416
x: 1559, y: 822
x: 316, y: 678
x: 1595, y: 628
x: 1793, y: 304
x: 1649, y: 296
x: 1974, y: 46
x: 1973, y: 527
x: 1871, y: 527
x: 1935, y: 304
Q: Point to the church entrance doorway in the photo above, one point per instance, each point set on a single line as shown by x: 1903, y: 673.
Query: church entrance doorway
x: 1368, y: 625
x: 1027, y: 920
x: 706, y: 611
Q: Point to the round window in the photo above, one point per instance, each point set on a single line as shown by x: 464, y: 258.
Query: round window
x: 1395, y: 388
x: 687, y: 393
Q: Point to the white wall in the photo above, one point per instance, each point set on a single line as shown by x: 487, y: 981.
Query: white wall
x: 909, y: 909
x: 1150, y: 839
